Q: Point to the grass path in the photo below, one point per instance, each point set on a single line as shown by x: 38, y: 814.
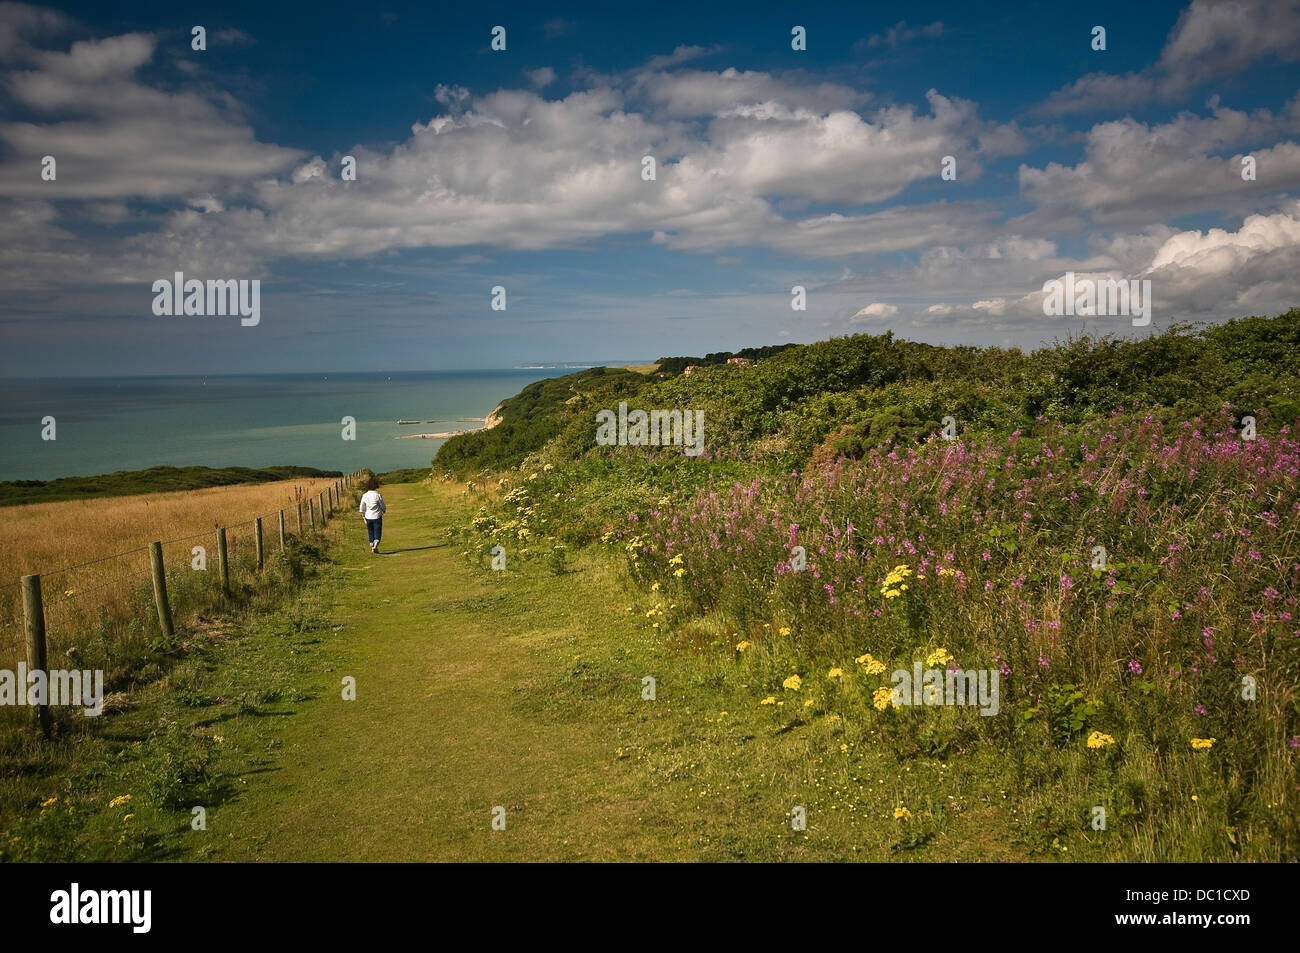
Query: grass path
x: 522, y: 689
x: 439, y: 733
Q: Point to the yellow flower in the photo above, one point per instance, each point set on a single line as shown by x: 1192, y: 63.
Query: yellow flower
x: 844, y: 748
x: 938, y: 657
x: 902, y: 813
x: 1202, y: 744
x: 785, y: 630
x: 832, y: 717
x: 655, y: 587
x: 128, y: 817
x: 882, y: 698
x: 679, y: 573
x: 549, y: 466
x: 792, y: 683
x: 741, y: 646
x: 218, y: 739
x: 896, y: 576
x: 835, y: 673
x: 119, y: 801
x: 676, y: 560
x: 872, y: 666
x: 809, y: 703
x: 665, y: 500
x: 769, y: 700
x: 1099, y: 740
x: 49, y: 802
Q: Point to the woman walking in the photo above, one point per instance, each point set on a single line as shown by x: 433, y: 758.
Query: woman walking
x: 372, y: 510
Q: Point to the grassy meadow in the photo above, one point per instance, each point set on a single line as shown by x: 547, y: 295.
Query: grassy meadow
x: 683, y: 658
x: 1112, y: 527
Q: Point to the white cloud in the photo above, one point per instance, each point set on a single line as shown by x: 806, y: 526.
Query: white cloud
x: 1212, y: 39
x: 542, y: 77
x: 1135, y: 173
x: 1252, y: 270
x: 876, y: 309
x: 115, y: 137
x: 900, y: 33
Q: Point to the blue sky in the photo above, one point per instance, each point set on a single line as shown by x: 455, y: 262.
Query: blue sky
x: 521, y: 168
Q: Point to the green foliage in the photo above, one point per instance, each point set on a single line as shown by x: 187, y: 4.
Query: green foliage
x: 407, y: 475
x: 1066, y: 710
x: 530, y: 419
x: 844, y: 396
x: 152, y: 480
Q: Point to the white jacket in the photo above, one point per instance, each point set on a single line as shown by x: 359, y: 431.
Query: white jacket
x: 372, y: 505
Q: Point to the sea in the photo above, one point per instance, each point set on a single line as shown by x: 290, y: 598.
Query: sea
x: 102, y: 424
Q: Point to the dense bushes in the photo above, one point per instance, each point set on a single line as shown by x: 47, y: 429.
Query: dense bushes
x: 884, y: 389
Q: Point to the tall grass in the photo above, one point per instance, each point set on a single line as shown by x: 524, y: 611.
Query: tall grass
x: 46, y: 537
x: 983, y: 552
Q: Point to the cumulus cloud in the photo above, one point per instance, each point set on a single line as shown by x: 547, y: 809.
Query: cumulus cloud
x: 1216, y: 272
x: 876, y: 309
x: 1211, y: 40
x: 690, y: 93
x: 1138, y: 173
x: 115, y: 137
x: 1252, y: 270
x: 542, y: 77
x: 739, y: 154
x: 21, y: 25
x: 744, y: 158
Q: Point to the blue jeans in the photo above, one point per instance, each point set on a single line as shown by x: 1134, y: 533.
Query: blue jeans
x: 375, y: 528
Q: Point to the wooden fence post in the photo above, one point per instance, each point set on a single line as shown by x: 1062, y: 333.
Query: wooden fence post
x: 261, y: 548
x: 223, y: 560
x: 282, y: 531
x: 311, y: 510
x: 300, y: 519
x: 160, y: 592
x: 34, y: 629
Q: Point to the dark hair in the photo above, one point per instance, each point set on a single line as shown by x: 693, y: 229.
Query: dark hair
x: 372, y: 483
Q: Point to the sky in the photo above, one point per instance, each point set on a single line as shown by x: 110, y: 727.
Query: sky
x: 523, y: 168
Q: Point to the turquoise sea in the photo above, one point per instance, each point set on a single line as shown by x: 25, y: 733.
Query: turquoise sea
x: 108, y: 424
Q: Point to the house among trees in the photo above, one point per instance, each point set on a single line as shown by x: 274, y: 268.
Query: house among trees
x: 739, y: 361
x: 690, y: 368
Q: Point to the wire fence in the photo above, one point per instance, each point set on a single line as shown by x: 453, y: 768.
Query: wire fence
x: 76, y: 599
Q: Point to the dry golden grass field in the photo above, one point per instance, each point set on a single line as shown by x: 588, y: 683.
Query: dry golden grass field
x: 47, y: 538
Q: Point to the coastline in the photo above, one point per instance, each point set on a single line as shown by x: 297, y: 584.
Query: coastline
x: 490, y: 421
